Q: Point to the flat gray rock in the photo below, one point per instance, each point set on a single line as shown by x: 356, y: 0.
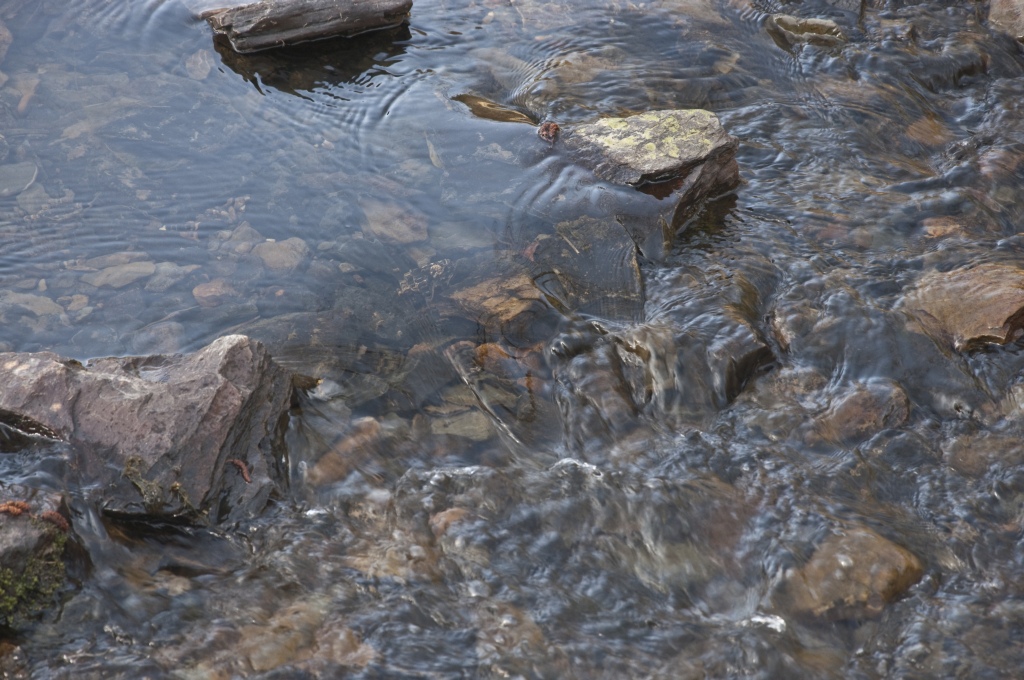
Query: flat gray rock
x: 655, y: 146
x: 16, y: 177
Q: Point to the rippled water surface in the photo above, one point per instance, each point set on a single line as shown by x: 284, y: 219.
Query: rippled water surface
x: 546, y: 438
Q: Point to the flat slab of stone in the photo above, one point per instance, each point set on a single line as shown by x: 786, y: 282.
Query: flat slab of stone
x: 17, y: 177
x: 120, y: 275
x: 190, y: 438
x: 275, y: 23
x: 655, y: 146
x: 971, y: 306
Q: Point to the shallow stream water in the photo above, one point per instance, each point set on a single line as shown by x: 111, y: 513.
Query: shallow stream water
x: 539, y: 445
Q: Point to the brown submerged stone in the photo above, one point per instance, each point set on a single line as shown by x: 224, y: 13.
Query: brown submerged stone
x: 852, y: 575
x: 863, y: 412
x: 970, y: 306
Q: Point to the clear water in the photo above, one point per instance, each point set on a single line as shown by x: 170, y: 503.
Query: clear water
x: 531, y: 498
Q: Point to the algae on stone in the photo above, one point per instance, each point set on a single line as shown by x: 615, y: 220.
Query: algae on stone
x: 652, y: 146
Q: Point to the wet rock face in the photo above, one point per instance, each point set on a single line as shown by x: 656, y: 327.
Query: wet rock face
x: 659, y: 145
x: 852, y: 575
x: 972, y: 306
x: 185, y: 437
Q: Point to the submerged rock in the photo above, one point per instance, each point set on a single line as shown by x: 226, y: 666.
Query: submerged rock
x: 120, y: 275
x: 852, y: 575
x: 789, y: 32
x: 970, y: 306
x: 659, y: 145
x: 393, y: 223
x: 1007, y: 15
x: 17, y: 177
x: 188, y: 437
x: 863, y: 412
x: 284, y: 255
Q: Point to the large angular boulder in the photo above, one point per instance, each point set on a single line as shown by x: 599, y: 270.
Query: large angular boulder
x: 193, y: 438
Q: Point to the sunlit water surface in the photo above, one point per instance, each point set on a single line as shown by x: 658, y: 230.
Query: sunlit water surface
x: 537, y: 501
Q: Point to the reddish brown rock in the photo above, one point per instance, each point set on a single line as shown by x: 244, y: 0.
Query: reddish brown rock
x: 851, y: 575
x: 155, y: 435
x: 970, y: 307
x: 864, y: 411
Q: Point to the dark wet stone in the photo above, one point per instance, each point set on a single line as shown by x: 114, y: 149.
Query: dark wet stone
x: 851, y: 575
x: 34, y: 532
x: 970, y: 307
x: 190, y: 437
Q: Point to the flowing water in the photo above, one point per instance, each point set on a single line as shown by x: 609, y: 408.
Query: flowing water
x: 543, y: 443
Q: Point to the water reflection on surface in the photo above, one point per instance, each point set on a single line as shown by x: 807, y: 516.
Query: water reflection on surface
x: 545, y: 443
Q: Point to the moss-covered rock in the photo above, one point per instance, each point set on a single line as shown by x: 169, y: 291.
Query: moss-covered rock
x: 32, y: 568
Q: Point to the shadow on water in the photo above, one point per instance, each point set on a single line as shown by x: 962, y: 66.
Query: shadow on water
x: 304, y: 68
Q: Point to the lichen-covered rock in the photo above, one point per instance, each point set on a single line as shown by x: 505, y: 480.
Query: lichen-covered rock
x: 191, y: 437
x: 851, y: 575
x: 657, y: 146
x: 970, y: 307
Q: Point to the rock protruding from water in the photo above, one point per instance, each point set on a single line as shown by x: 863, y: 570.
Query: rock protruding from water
x: 275, y: 23
x: 185, y: 437
x: 658, y: 146
x: 972, y: 306
x: 1007, y: 15
x: 853, y: 575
